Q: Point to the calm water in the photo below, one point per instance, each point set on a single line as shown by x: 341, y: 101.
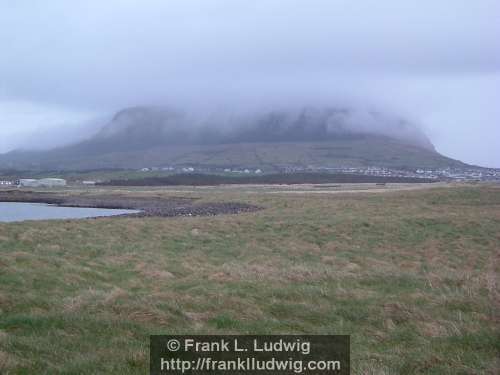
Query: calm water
x: 39, y: 211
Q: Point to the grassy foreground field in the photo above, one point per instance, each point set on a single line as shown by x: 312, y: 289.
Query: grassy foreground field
x: 412, y: 276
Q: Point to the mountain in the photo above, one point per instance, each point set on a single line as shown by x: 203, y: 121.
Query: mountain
x: 322, y: 137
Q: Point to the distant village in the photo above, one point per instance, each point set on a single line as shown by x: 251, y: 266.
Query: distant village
x: 444, y: 174
x: 202, y: 170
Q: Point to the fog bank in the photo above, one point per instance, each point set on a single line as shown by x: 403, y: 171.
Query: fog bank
x: 435, y: 63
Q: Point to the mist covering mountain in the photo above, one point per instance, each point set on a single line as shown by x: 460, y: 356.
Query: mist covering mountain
x: 328, y: 136
x: 65, y: 62
x: 143, y: 127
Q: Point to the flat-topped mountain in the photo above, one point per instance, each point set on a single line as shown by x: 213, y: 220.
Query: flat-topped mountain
x: 331, y: 137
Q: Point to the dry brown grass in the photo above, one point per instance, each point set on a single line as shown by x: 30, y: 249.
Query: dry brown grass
x: 412, y: 276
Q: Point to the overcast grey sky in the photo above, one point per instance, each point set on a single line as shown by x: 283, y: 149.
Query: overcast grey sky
x: 64, y: 64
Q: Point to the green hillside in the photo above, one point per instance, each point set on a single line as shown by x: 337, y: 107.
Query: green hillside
x: 367, y: 151
x: 141, y: 137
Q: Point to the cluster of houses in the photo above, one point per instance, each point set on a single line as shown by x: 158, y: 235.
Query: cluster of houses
x: 188, y: 169
x: 450, y: 174
x: 458, y: 174
x: 444, y: 174
x: 247, y: 171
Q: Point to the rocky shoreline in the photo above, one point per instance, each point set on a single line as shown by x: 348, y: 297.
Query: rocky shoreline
x: 149, y: 206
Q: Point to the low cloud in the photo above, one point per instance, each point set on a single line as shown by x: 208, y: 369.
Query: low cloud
x: 436, y: 63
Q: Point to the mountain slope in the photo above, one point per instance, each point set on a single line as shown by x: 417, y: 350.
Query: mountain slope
x: 143, y: 137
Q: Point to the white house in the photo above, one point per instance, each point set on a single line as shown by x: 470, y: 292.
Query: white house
x: 51, y: 182
x: 29, y: 182
x: 44, y: 182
